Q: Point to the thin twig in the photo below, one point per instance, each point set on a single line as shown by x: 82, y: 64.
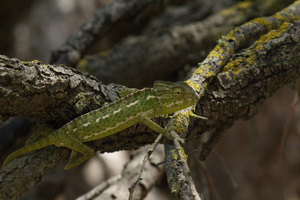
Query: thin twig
x: 146, y: 157
x: 288, y: 120
x: 183, y: 162
x: 226, y: 169
x: 208, y: 146
x: 100, y: 188
x: 213, y: 192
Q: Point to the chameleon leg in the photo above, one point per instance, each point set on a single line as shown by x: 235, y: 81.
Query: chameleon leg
x: 41, y: 131
x: 73, y: 156
x: 76, y: 145
x: 155, y: 127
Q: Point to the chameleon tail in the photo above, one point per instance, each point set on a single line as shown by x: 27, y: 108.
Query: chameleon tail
x: 50, y: 140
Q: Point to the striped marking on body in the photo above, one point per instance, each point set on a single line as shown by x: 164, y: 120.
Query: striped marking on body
x: 111, y: 128
x: 150, y: 97
x: 105, y: 116
x: 85, y: 125
x: 132, y: 104
x: 174, y: 103
x: 117, y: 111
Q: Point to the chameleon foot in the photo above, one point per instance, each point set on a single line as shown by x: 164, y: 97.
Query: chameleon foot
x: 175, y: 136
x: 77, y: 161
x: 197, y: 116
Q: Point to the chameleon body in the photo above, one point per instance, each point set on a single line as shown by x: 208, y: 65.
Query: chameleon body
x: 140, y: 106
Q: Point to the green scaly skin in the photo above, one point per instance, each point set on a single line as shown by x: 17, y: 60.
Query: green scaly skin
x: 164, y: 98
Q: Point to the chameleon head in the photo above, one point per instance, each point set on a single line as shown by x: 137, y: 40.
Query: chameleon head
x: 174, y: 96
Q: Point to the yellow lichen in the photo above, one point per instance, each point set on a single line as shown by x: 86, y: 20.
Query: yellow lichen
x: 290, y: 17
x: 82, y: 64
x: 234, y: 65
x: 199, y: 70
x: 182, y: 153
x: 262, y: 22
x: 217, y: 52
x: 194, y: 85
x: 174, y: 155
x: 230, y: 35
x: 272, y: 34
x: 232, y: 9
x: 250, y: 60
x: 186, y: 114
x: 204, y: 70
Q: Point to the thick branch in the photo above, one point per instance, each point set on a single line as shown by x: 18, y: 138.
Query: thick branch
x: 249, y: 78
x: 57, y: 94
x: 54, y: 95
x: 167, y: 51
x: 227, y: 99
x: 236, y: 92
x: 246, y: 81
x: 235, y: 40
x: 104, y: 21
x: 48, y: 93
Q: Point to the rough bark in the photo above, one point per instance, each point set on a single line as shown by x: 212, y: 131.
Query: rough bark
x: 118, y: 12
x: 232, y: 83
x: 165, y: 48
x: 237, y: 92
x: 249, y: 78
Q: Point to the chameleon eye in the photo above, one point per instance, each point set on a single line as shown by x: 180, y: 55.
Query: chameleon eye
x: 177, y: 91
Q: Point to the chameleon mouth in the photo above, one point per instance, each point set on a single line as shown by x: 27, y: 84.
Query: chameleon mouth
x: 185, y: 103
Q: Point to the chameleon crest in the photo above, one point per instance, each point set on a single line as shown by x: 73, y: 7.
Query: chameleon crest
x: 164, y: 98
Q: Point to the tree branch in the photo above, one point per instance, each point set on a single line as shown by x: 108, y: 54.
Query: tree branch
x: 231, y: 86
x: 176, y: 47
x: 104, y: 21
x: 249, y: 78
x: 119, y: 189
x: 54, y: 95
x: 34, y: 90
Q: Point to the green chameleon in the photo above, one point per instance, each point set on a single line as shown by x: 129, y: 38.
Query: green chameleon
x: 164, y: 98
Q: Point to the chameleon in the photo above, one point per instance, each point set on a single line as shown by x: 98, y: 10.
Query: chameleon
x: 140, y: 106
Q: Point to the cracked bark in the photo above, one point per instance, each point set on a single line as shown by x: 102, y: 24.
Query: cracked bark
x: 54, y: 95
x: 249, y: 78
x: 231, y: 96
x: 246, y: 80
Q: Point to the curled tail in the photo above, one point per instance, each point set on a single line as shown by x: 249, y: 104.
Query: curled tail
x: 50, y: 140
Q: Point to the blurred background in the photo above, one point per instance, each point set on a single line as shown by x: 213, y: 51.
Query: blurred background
x: 255, y: 159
